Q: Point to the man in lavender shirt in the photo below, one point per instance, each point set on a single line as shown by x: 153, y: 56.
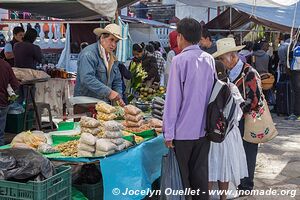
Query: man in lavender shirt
x: 189, y: 89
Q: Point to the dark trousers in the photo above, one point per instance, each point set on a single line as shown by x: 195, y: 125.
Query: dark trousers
x: 192, y: 158
x: 3, y: 115
x: 251, y: 153
x: 295, y: 92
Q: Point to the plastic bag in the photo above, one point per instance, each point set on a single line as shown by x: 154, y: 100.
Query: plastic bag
x: 105, y: 108
x: 133, y: 124
x: 121, y: 147
x: 30, y: 165
x: 89, y: 174
x: 104, y: 153
x: 85, y: 147
x: 105, y: 145
x: 82, y: 153
x: 133, y: 118
x: 113, y: 126
x: 132, y: 110
x: 113, y: 134
x: 89, y: 122
x: 118, y: 141
x: 31, y: 139
x: 46, y: 148
x: 93, y: 131
x: 87, y: 138
x: 159, y: 101
x: 16, y: 108
x: 170, y: 176
x: 156, y: 123
x: 106, y: 117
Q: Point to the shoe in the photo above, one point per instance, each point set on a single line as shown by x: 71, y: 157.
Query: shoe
x: 291, y: 117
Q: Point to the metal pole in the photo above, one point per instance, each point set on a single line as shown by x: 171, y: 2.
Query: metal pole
x: 230, y: 17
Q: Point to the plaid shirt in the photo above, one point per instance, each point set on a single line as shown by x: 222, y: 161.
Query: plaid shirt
x: 160, y: 62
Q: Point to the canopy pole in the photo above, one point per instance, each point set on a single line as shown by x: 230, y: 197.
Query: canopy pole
x: 230, y: 18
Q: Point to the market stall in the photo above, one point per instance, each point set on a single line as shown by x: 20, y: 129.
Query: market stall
x: 125, y: 142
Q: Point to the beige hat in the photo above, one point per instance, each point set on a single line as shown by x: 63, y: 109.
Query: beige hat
x: 226, y: 45
x: 113, y: 29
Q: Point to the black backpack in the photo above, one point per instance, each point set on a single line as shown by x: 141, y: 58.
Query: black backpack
x: 220, y: 112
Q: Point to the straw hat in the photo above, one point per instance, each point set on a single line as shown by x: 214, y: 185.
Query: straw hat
x: 226, y: 45
x: 113, y: 29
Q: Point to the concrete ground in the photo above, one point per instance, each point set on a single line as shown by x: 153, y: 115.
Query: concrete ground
x: 278, y: 162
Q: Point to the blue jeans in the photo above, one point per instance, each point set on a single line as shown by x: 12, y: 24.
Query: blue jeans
x: 251, y: 153
x: 3, y: 115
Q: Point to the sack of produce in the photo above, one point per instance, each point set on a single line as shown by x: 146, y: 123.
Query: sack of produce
x: 159, y: 101
x: 105, y: 108
x: 85, y: 147
x: 127, y: 144
x: 30, y: 139
x: 132, y: 110
x: 121, y: 147
x: 105, y: 145
x: 82, y: 153
x: 89, y: 122
x: 133, y: 118
x: 105, y: 116
x: 158, y: 107
x: 88, y: 139
x: 157, y: 112
x: 104, y: 153
x: 113, y: 126
x: 155, y: 123
x: 118, y: 141
x: 21, y: 146
x: 46, y: 148
x: 133, y: 124
x: 93, y: 131
x: 157, y: 116
x: 113, y: 134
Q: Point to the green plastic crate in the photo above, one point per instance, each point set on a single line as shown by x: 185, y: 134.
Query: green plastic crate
x: 58, y: 187
x: 65, y: 126
x: 91, y: 191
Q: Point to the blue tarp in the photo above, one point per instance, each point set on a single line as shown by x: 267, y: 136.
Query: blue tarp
x: 282, y: 15
x: 135, y: 169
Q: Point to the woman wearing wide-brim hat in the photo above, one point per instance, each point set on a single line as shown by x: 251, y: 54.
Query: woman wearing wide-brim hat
x: 98, y: 74
x: 247, y: 79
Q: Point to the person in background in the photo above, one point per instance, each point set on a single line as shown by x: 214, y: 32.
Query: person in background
x: 246, y: 53
x: 161, y: 63
x: 260, y: 59
x: 149, y: 63
x: 282, y: 54
x: 98, y: 73
x: 7, y: 53
x: 125, y: 74
x: 27, y: 54
x: 7, y: 77
x: 190, y: 84
x: 206, y: 43
x: 171, y: 54
x: 240, y: 73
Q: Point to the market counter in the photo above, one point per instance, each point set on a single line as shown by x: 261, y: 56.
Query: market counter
x: 134, y: 169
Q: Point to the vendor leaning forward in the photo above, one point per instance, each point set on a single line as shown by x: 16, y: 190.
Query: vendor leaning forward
x: 98, y: 74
